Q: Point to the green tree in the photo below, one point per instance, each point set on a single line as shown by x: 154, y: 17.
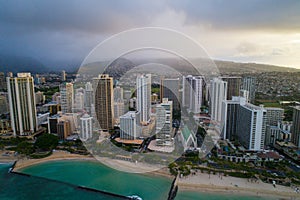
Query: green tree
x: 25, y: 148
x: 46, y: 142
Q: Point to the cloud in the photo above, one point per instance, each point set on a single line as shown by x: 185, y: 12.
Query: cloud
x: 242, y: 15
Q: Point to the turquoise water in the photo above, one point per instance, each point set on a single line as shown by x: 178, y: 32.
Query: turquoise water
x: 98, y: 176
x: 17, y: 187
x: 94, y: 175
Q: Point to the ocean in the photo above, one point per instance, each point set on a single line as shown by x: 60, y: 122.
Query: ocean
x: 58, y: 180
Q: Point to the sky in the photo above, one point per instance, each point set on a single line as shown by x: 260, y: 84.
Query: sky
x: 63, y: 32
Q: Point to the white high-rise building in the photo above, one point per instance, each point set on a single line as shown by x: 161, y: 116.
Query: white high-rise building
x: 86, y: 128
x: 143, y: 102
x: 251, y: 126
x: 164, y: 123
x: 66, y: 97
x: 22, y: 104
x: 192, y: 96
x: 129, y: 129
x: 88, y: 97
x: 218, y: 93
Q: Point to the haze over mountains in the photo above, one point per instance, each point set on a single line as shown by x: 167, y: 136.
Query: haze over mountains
x: 18, y: 64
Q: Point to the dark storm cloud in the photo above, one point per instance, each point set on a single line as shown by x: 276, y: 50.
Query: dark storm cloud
x: 236, y: 14
x: 55, y: 31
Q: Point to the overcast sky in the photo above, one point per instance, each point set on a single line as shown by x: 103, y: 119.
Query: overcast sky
x: 61, y: 32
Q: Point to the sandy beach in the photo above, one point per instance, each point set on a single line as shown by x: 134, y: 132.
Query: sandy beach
x: 203, y: 182
x: 57, y: 155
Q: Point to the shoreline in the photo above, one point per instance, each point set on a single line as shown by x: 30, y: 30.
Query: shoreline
x: 201, y: 182
x: 56, y: 156
x: 234, y: 186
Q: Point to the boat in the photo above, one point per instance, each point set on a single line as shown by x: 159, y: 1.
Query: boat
x: 135, y: 197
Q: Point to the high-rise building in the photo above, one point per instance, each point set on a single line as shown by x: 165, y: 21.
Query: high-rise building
x: 274, y: 115
x: 164, y: 123
x: 143, y: 100
x: 86, y: 127
x: 88, y: 97
x: 119, y: 109
x: 104, y: 101
x: 233, y: 86
x: 118, y: 94
x: 218, y: 93
x: 63, y: 129
x: 78, y: 102
x: 295, y: 130
x: 230, y: 117
x: 63, y: 75
x: 22, y: 104
x: 251, y: 126
x: 169, y: 88
x: 66, y: 97
x: 249, y: 84
x: 192, y: 96
x: 129, y: 129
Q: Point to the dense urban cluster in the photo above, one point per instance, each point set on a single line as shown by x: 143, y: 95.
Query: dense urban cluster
x: 231, y: 122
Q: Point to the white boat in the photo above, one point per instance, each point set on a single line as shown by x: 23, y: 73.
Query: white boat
x: 135, y: 197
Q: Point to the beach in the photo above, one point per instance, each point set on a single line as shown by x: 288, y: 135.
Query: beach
x: 56, y: 155
x: 231, y: 185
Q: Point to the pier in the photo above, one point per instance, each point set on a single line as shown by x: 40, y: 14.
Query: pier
x: 174, y: 189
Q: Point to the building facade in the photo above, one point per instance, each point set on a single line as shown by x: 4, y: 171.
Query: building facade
x: 22, y: 104
x: 143, y: 99
x: 218, y: 93
x: 104, y: 106
x: 296, y: 126
x: 164, y: 128
x: 129, y: 129
x: 66, y: 97
x: 251, y: 126
x: 86, y: 127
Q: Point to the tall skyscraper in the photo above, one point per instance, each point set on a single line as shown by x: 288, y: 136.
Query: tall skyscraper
x: 86, y: 127
x: 88, y: 97
x: 164, y: 123
x: 104, y: 101
x: 22, y: 104
x: 192, y: 96
x: 143, y: 101
x: 66, y: 97
x: 296, y: 126
x: 169, y: 88
x: 129, y: 128
x: 63, y: 75
x: 233, y: 86
x: 218, y: 93
x: 249, y: 84
x: 230, y: 117
x: 251, y: 126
